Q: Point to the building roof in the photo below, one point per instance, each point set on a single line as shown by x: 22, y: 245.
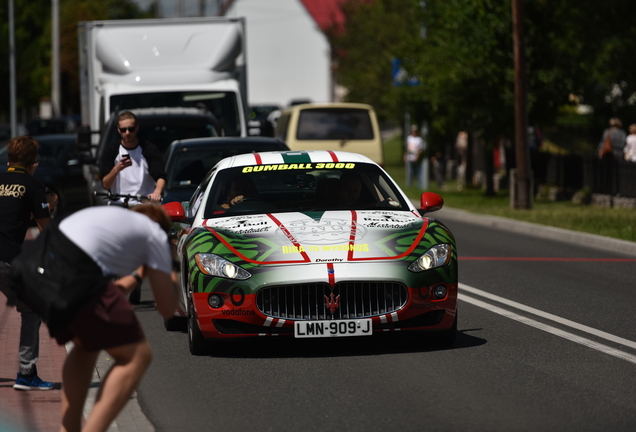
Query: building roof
x: 326, y: 13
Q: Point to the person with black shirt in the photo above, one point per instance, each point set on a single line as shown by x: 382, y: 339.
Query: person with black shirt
x: 23, y: 198
x: 132, y: 166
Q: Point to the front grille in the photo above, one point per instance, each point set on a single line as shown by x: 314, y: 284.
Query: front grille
x: 311, y: 301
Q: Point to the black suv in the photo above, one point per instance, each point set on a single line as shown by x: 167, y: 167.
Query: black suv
x: 161, y: 126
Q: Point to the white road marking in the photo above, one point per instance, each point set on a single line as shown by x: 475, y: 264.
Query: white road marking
x: 550, y: 329
x: 549, y: 316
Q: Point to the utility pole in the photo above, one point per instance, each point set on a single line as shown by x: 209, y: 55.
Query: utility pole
x: 12, y: 97
x: 522, y: 184
x: 55, y: 59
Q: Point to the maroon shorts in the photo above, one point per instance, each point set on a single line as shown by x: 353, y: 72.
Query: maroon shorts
x: 106, y: 321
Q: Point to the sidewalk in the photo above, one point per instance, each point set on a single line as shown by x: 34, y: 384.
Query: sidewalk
x: 40, y: 411
x: 28, y: 410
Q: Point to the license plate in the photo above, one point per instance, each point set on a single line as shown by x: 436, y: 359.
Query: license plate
x: 335, y: 328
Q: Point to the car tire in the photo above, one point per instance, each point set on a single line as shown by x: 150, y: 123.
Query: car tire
x: 197, y: 343
x: 135, y: 295
x: 175, y: 324
x: 446, y: 338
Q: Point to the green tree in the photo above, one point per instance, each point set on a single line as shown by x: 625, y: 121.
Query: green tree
x: 30, y: 19
x: 464, y: 60
x: 73, y: 12
x: 375, y: 34
x: 32, y: 23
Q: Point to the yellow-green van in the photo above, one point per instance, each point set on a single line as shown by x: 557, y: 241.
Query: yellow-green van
x: 350, y: 127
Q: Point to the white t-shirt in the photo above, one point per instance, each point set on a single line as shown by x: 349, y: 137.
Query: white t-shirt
x: 135, y: 179
x: 414, y: 146
x: 119, y: 240
x: 630, y: 147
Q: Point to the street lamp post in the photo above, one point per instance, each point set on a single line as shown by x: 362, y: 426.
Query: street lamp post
x: 12, y: 96
x: 55, y: 58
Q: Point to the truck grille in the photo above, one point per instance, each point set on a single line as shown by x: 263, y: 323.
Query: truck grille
x: 312, y: 301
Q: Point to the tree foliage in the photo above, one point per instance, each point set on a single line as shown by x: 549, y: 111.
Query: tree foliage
x: 32, y: 23
x: 461, y: 52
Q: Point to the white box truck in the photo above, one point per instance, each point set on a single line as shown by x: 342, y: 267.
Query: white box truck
x: 181, y: 62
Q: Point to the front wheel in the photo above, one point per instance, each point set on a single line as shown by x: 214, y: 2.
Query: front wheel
x: 176, y: 323
x: 197, y: 343
x: 446, y: 338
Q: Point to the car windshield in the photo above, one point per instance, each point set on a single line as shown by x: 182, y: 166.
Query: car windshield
x: 163, y: 130
x: 222, y: 104
x: 302, y: 187
x: 334, y: 124
x: 189, y: 165
x: 56, y: 152
x: 53, y: 152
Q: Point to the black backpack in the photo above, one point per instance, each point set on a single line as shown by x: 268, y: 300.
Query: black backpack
x: 54, y: 277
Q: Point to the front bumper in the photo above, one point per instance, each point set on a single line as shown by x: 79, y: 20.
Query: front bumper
x: 243, y: 316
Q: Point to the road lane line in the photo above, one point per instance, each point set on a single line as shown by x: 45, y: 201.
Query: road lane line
x: 549, y: 316
x: 548, y: 328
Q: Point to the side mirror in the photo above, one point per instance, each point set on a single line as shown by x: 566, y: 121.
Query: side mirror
x: 84, y: 145
x: 84, y: 138
x: 430, y: 202
x: 175, y: 211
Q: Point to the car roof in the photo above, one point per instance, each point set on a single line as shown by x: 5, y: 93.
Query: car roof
x: 55, y: 137
x: 224, y: 141
x: 165, y: 111
x: 337, y: 105
x: 291, y: 157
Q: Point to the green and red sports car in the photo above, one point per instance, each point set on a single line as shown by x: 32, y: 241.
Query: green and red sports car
x: 311, y: 244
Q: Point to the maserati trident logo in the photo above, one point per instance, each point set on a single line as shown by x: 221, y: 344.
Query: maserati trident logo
x: 332, y: 302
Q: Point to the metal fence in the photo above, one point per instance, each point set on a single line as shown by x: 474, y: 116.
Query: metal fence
x: 572, y: 173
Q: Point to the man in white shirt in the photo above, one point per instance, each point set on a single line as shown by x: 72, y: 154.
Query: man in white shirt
x: 416, y: 163
x: 67, y: 278
x: 133, y: 166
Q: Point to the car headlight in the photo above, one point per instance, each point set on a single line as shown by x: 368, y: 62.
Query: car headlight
x: 214, y: 265
x: 436, y: 256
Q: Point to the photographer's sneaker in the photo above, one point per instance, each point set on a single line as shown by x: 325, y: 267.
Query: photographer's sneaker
x: 31, y: 382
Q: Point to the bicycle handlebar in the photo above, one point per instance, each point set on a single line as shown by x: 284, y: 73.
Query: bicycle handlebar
x: 115, y: 196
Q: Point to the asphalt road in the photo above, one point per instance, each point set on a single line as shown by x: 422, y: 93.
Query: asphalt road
x: 547, y: 342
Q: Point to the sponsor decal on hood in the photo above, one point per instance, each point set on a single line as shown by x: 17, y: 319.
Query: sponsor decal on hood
x: 321, y: 237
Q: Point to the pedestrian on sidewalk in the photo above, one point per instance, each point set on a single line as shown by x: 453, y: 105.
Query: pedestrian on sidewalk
x: 439, y: 167
x: 415, y: 158
x: 630, y: 144
x: 76, y: 277
x: 22, y: 198
x: 608, y: 164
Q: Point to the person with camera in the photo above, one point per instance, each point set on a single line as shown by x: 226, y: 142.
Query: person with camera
x: 75, y: 276
x: 132, y: 166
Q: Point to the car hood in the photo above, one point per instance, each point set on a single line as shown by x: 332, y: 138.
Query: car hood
x: 315, y: 237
